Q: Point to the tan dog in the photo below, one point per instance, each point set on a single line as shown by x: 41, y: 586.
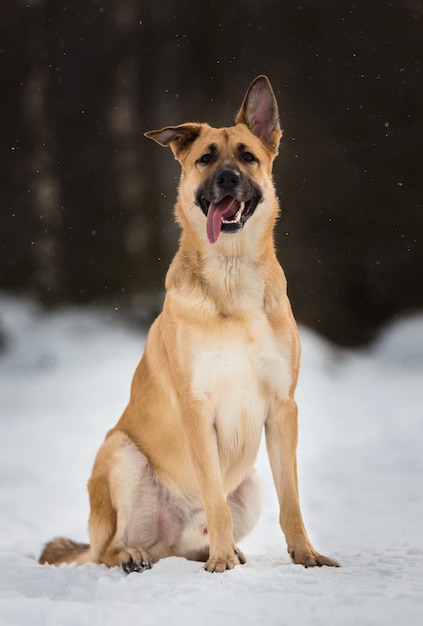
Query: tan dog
x: 175, y: 476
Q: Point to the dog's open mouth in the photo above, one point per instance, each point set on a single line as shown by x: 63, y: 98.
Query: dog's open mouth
x: 228, y: 215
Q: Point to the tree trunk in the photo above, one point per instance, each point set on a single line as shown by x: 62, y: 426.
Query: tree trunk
x: 43, y: 182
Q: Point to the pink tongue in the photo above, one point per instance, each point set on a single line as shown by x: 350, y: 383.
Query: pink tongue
x: 225, y: 208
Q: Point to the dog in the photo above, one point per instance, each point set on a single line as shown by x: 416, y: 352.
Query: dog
x: 175, y: 476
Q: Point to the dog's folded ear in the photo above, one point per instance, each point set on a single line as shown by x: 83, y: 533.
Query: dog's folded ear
x: 179, y: 138
x: 259, y: 112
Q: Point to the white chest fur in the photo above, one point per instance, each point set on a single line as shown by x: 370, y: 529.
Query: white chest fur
x: 237, y: 375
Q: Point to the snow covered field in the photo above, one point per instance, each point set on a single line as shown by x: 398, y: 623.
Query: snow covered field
x: 64, y: 380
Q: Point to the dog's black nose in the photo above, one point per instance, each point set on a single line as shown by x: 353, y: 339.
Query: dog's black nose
x: 227, y: 178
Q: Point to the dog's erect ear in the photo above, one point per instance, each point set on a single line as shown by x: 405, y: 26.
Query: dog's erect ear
x: 179, y: 138
x: 259, y: 112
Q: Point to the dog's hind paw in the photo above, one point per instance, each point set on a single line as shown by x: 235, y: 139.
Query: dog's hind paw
x: 131, y: 566
x: 134, y: 560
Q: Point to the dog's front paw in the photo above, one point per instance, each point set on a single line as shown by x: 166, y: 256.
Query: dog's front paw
x: 312, y: 559
x: 134, y: 560
x: 221, y: 564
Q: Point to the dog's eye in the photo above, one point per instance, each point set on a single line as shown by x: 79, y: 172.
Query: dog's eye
x: 248, y: 157
x: 206, y: 158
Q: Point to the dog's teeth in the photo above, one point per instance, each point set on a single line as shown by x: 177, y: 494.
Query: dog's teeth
x: 237, y: 216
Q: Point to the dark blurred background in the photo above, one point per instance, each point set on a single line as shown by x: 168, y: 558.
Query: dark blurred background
x: 86, y: 200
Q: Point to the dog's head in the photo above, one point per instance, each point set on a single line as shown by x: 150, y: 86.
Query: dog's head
x: 226, y: 172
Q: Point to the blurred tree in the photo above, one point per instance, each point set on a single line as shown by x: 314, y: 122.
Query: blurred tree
x: 47, y: 278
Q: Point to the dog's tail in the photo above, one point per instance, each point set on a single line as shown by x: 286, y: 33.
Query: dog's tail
x: 62, y: 550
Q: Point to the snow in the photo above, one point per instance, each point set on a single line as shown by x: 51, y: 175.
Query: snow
x: 64, y: 380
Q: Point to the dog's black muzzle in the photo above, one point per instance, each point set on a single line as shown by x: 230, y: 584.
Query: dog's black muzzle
x: 226, y: 183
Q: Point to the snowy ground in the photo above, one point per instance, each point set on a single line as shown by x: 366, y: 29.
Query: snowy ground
x: 64, y: 380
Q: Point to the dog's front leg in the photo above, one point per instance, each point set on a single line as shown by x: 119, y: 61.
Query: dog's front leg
x: 281, y: 442
x: 199, y: 426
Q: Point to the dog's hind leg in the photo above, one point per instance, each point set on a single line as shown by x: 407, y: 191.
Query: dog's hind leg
x: 115, y: 488
x: 245, y: 503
